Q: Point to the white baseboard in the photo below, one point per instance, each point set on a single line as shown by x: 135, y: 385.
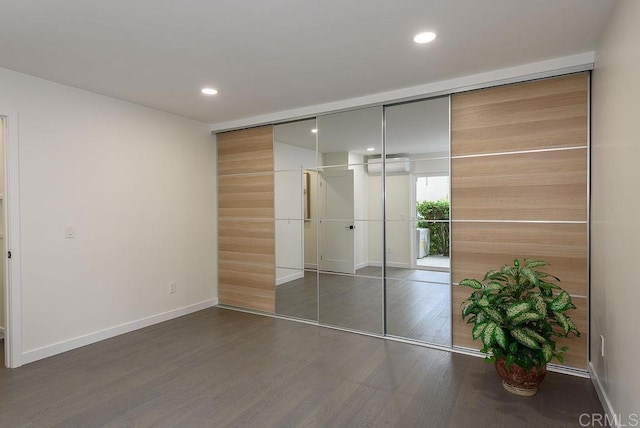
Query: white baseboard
x: 1, y: 332
x: 602, y: 395
x: 288, y: 278
x: 391, y: 264
x: 87, y: 339
x: 310, y: 266
x: 362, y: 265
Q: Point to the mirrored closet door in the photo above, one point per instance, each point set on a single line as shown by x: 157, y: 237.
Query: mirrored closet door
x: 296, y: 219
x: 350, y: 292
x: 417, y: 271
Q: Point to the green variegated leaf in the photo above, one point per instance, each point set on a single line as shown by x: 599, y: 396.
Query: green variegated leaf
x: 548, y: 285
x: 531, y: 275
x: 524, y: 339
x: 562, y: 321
x: 561, y: 302
x: 532, y: 264
x: 513, y: 347
x: 477, y: 330
x: 547, y: 352
x: 484, y: 302
x: 508, y: 361
x: 540, y: 305
x: 467, y: 308
x: 538, y: 337
x: 493, y: 314
x: 572, y: 325
x: 500, y: 337
x: 472, y: 283
x: 488, y: 336
x: 481, y: 317
x: 506, y: 270
x: 494, y: 275
x: 526, y: 317
x: 493, y: 285
x: 517, y: 308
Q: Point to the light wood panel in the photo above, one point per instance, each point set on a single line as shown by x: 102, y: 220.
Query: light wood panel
x: 479, y: 247
x: 245, y: 151
x: 491, y: 189
x: 246, y: 232
x: 246, y: 241
x: 527, y: 186
x: 246, y: 196
x: 576, y: 355
x: 541, y: 114
x: 247, y: 285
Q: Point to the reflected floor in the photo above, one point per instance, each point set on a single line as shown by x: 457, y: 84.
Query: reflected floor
x: 418, y: 302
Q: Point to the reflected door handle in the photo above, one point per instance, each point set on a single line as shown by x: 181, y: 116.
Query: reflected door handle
x: 350, y: 227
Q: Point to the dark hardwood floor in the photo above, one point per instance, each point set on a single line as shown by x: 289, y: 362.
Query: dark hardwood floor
x: 220, y: 367
x: 418, y: 302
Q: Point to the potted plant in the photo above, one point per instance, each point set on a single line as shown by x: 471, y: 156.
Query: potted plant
x: 516, y: 312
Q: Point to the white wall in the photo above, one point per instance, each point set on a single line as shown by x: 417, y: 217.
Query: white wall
x: 431, y: 163
x: 399, y: 225
x: 138, y: 184
x: 615, y: 233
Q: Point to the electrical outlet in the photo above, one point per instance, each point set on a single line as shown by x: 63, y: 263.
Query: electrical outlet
x: 172, y: 288
x: 602, y: 345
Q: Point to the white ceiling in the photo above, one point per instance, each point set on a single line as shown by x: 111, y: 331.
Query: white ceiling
x: 270, y: 56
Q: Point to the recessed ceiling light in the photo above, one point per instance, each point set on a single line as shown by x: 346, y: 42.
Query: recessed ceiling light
x: 370, y: 149
x: 209, y: 91
x: 314, y: 130
x: 424, y: 37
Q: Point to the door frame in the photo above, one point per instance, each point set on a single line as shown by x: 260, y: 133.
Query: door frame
x: 11, y: 205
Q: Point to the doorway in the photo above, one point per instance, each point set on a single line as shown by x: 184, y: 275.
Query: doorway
x: 431, y: 193
x: 337, y: 228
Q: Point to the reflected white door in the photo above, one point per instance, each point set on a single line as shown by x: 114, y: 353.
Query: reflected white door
x: 337, y: 228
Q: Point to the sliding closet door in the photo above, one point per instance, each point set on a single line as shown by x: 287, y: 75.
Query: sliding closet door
x: 246, y: 255
x: 417, y: 278
x: 519, y: 189
x: 350, y: 247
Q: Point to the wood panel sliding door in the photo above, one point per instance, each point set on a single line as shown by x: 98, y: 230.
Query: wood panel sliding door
x: 246, y: 250
x: 519, y: 189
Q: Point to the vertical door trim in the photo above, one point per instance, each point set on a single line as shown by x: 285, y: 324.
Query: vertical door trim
x: 13, y: 288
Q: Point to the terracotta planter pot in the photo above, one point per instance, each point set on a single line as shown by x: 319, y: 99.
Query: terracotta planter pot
x: 519, y: 381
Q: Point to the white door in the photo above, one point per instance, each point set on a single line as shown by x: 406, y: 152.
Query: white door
x: 337, y: 228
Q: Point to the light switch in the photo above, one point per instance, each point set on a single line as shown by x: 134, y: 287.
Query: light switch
x: 69, y: 230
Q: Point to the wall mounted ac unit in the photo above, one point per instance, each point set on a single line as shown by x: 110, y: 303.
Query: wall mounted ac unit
x: 393, y: 166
